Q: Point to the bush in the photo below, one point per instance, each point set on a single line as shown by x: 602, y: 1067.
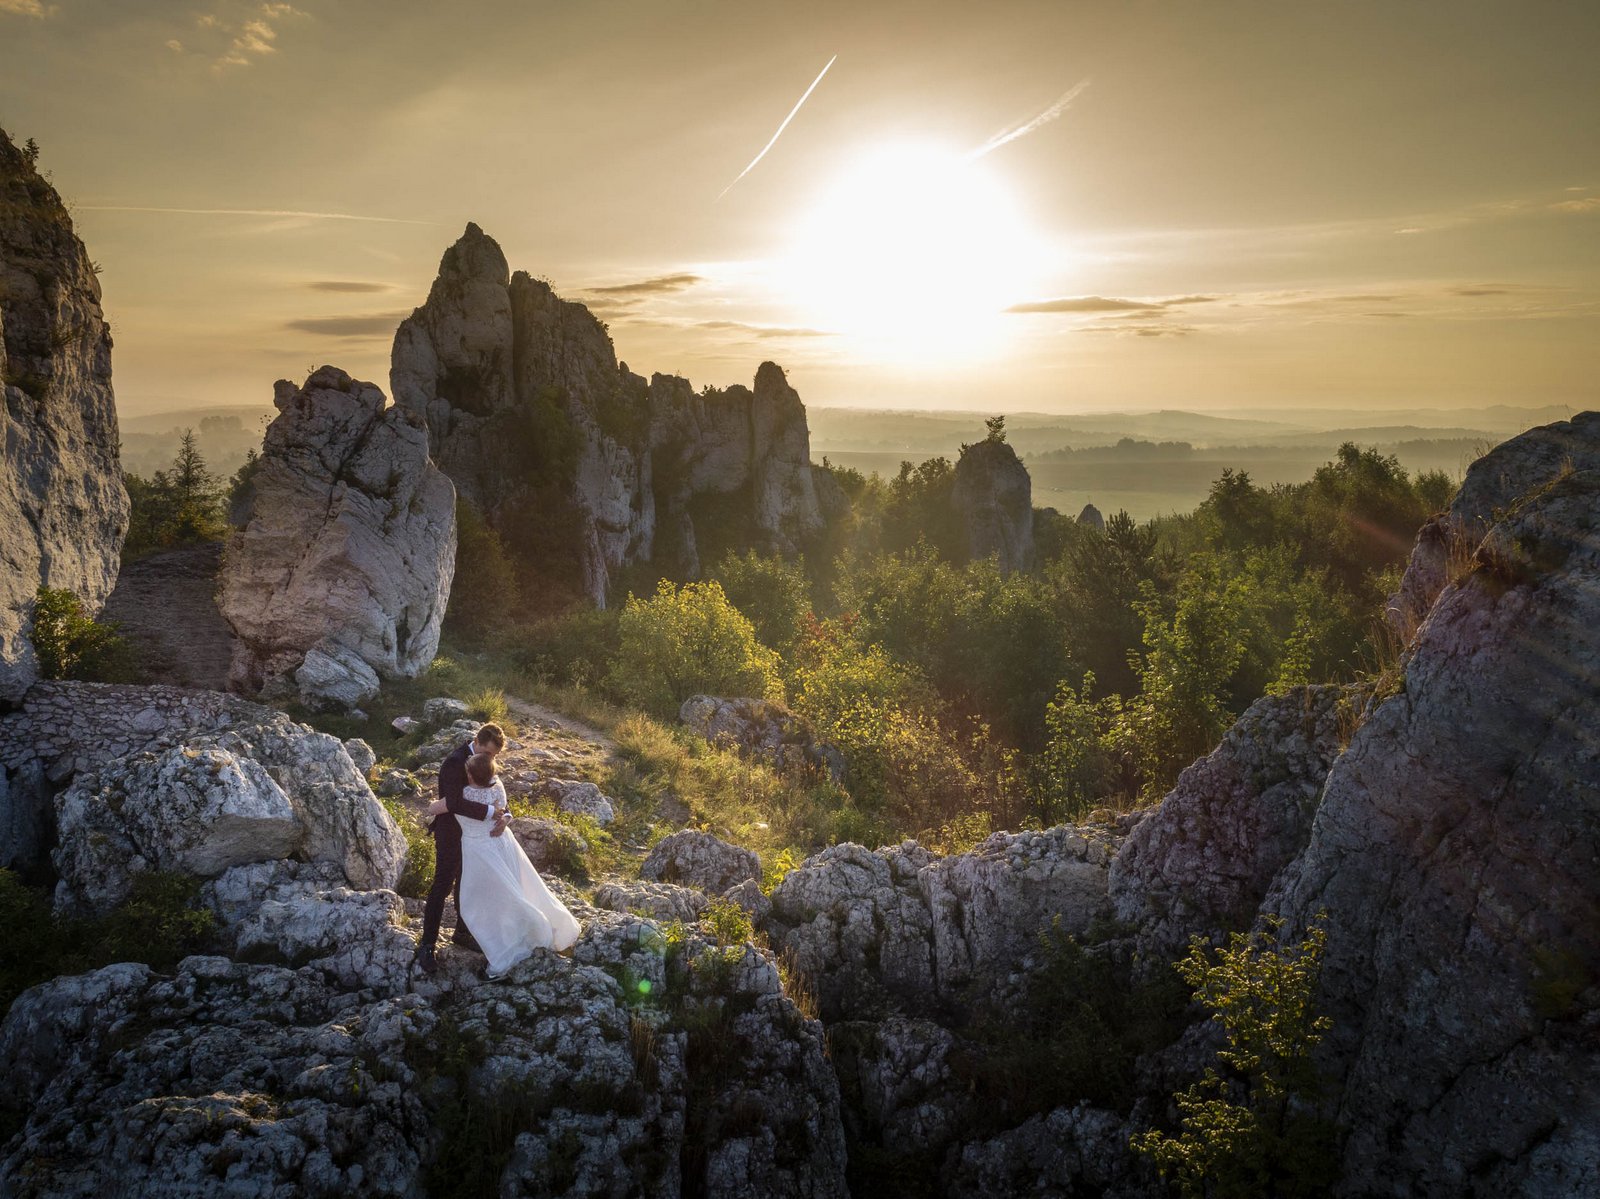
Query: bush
x: 71, y: 645
x: 769, y: 591
x: 685, y: 641
x: 416, y: 876
x: 1254, y: 1129
x: 178, y: 506
x: 574, y: 649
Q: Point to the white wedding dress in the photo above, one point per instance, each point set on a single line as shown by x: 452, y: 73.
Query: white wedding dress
x: 503, y: 900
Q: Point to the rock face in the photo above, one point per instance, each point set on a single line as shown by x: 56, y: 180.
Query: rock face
x: 1455, y: 853
x: 696, y: 859
x: 763, y: 730
x: 252, y: 794
x: 574, y: 458
x: 63, y: 508
x: 1091, y: 516
x: 1493, y: 484
x: 341, y: 572
x: 993, y: 496
x: 1207, y: 856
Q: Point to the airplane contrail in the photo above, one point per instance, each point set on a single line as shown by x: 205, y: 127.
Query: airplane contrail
x: 1027, y: 127
x: 280, y: 212
x: 781, y: 128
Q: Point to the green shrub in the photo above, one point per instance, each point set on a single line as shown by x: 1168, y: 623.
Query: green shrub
x: 483, y: 594
x: 488, y: 704
x: 574, y: 649
x: 72, y: 645
x: 683, y: 641
x: 416, y: 876
x: 769, y: 591
x: 729, y: 922
x: 1252, y: 1128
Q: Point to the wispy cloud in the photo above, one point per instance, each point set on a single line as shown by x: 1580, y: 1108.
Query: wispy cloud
x: 245, y: 37
x: 377, y: 324
x: 354, y: 286
x: 1586, y: 204
x: 661, y: 284
x: 1012, y: 133
x: 26, y: 8
x: 763, y: 331
x: 1132, y: 330
x: 1097, y: 304
x: 255, y: 212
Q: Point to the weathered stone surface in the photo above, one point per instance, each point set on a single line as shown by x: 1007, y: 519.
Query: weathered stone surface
x: 549, y: 844
x: 1091, y: 516
x: 1071, y: 1151
x: 1454, y: 851
x: 26, y: 818
x: 660, y: 901
x: 361, y: 754
x: 993, y: 496
x: 763, y: 730
x: 531, y: 415
x: 342, y: 571
x: 1493, y: 484
x: 245, y: 795
x: 748, y: 895
x: 901, y: 1085
x: 1206, y: 857
x: 581, y: 798
x: 697, y: 859
x: 443, y: 710
x: 63, y: 508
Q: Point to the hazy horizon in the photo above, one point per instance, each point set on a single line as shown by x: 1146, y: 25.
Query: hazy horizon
x: 1017, y: 207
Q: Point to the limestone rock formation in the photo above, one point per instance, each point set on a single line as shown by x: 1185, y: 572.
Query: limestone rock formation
x: 1207, y: 856
x: 697, y: 859
x: 246, y: 795
x: 1454, y: 851
x: 341, y: 573
x: 993, y: 497
x: 1091, y: 516
x: 1514, y: 469
x: 63, y: 508
x: 574, y: 458
x: 763, y: 730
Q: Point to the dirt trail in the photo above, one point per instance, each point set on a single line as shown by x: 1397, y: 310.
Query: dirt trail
x: 166, y: 604
x: 529, y: 713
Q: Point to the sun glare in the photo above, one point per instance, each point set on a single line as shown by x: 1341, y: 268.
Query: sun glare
x: 913, y: 252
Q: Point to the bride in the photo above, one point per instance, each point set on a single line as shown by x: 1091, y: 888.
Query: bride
x: 503, y: 900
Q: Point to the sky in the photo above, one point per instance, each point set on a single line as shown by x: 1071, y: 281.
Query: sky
x: 1070, y: 206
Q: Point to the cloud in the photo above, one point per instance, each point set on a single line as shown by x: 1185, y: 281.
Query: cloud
x: 1128, y: 330
x: 251, y: 39
x: 175, y: 45
x: 271, y: 212
x: 1028, y: 126
x: 377, y: 324
x: 660, y: 285
x: 761, y: 330
x: 26, y: 8
x: 1107, y: 304
x: 1481, y: 291
x: 1586, y: 204
x: 348, y: 285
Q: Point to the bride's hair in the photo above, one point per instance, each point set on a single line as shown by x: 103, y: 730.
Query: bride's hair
x: 480, y: 769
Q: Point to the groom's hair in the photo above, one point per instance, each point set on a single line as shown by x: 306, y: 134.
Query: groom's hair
x: 491, y: 734
x: 480, y: 769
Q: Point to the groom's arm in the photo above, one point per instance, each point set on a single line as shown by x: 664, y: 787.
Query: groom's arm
x: 452, y: 781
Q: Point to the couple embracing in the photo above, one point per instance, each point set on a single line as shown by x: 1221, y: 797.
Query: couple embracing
x: 500, y: 897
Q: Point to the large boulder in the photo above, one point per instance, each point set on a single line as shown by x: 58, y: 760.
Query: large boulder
x: 993, y: 498
x: 1454, y: 852
x: 1207, y: 856
x: 561, y: 446
x: 341, y: 572
x: 1513, y: 470
x: 63, y: 507
x: 696, y: 859
x: 255, y: 794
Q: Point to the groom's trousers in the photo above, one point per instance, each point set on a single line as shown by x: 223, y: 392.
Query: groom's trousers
x: 446, y: 878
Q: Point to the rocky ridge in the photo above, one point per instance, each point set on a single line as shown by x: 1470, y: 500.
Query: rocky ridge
x: 63, y: 507
x: 568, y: 452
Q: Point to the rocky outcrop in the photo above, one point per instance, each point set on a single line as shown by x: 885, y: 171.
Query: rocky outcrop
x: 763, y: 730
x: 330, y: 1077
x: 221, y: 800
x: 1493, y: 485
x: 993, y: 498
x: 63, y: 508
x: 574, y: 458
x: 1454, y: 853
x: 340, y: 575
x: 696, y: 859
x: 1207, y: 856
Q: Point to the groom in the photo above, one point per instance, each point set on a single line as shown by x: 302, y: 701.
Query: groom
x: 447, y: 841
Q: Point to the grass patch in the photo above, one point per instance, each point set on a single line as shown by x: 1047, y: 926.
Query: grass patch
x: 416, y: 876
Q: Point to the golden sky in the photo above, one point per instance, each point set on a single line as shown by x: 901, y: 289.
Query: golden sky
x: 1238, y: 204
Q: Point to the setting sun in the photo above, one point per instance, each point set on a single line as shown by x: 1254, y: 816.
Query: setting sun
x: 912, y: 251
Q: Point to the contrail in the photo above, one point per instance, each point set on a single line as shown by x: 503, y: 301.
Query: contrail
x: 1027, y: 127
x: 280, y: 212
x: 781, y: 128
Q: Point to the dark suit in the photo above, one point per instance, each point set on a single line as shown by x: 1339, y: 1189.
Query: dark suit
x: 447, y: 842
